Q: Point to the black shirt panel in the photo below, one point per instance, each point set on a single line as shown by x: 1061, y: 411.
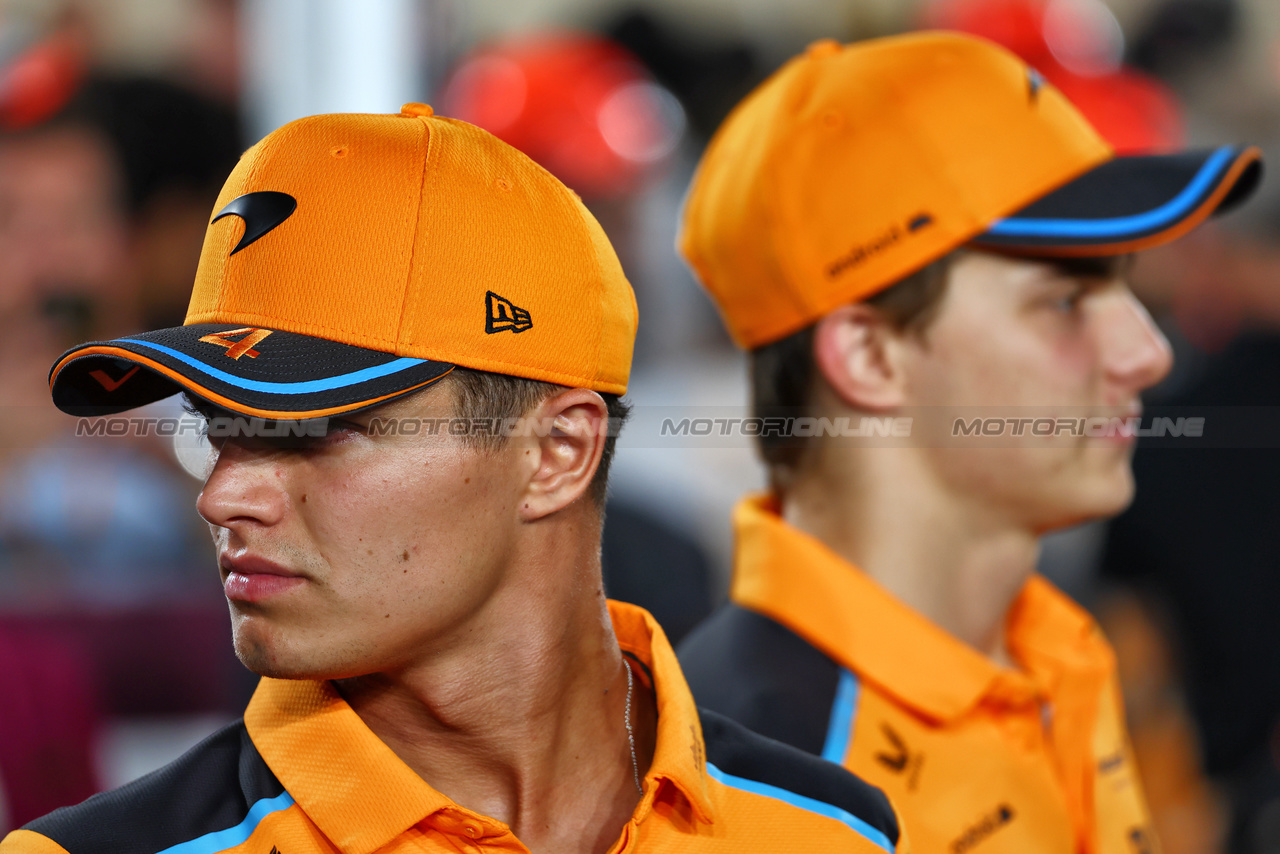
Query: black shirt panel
x: 210, y: 788
x: 759, y: 673
x: 736, y: 750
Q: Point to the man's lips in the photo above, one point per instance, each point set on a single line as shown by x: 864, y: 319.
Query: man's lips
x: 254, y: 579
x: 1124, y: 438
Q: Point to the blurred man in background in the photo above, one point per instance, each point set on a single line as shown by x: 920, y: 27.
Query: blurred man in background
x: 923, y: 228
x: 105, y: 188
x: 106, y: 182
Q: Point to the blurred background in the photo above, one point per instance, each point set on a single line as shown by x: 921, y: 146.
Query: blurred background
x: 119, y: 119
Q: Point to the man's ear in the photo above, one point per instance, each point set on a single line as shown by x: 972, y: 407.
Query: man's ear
x: 858, y: 353
x: 568, y: 454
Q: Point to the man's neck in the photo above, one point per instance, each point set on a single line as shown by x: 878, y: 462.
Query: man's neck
x: 959, y: 569
x: 525, y: 725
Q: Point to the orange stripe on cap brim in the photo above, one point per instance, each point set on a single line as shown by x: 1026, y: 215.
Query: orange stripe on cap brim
x: 1202, y: 212
x: 226, y: 402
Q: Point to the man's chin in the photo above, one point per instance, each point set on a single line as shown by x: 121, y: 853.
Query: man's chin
x: 1090, y: 506
x: 264, y: 659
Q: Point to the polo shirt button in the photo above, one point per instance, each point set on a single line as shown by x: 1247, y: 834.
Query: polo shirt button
x: 472, y: 831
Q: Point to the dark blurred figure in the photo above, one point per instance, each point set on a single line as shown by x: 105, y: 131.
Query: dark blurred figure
x: 175, y: 147
x: 656, y: 567
x: 103, y: 206
x: 1201, y: 543
x: 709, y: 77
x: 59, y: 221
x: 1178, y: 33
x: 63, y: 233
x: 106, y: 185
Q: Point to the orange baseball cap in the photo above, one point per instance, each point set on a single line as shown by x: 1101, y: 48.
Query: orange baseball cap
x: 355, y: 258
x: 854, y: 166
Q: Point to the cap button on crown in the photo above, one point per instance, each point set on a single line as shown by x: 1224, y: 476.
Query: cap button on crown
x: 423, y: 110
x: 823, y: 48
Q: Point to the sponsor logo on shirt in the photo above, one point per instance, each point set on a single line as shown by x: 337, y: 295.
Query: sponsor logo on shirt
x: 978, y: 832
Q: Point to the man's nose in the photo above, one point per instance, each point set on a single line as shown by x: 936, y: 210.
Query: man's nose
x: 246, y: 486
x: 1137, y: 353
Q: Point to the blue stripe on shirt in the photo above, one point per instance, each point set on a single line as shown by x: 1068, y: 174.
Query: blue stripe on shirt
x: 221, y: 840
x: 805, y: 803
x: 840, y: 724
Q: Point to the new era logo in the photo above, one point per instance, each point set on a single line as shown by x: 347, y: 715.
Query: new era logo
x: 503, y: 314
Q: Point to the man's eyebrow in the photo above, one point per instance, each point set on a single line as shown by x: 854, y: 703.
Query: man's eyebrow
x: 1104, y: 267
x: 201, y: 407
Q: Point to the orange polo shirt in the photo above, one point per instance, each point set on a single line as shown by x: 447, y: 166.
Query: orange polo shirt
x: 303, y: 774
x: 975, y: 756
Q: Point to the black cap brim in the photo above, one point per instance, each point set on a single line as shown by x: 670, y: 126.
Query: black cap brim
x: 1129, y: 203
x: 264, y: 373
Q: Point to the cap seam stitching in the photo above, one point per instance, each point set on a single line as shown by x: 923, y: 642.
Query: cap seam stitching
x: 585, y: 232
x: 774, y: 215
x: 416, y: 225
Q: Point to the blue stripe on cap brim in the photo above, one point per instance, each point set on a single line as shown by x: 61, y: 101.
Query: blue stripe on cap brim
x: 283, y: 375
x: 306, y: 387
x: 1129, y: 203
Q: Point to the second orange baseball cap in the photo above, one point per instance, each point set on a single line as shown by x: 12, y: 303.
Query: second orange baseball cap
x: 854, y: 166
x: 351, y: 259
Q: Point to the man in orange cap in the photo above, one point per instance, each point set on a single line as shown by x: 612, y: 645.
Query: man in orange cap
x: 919, y: 239
x: 408, y: 342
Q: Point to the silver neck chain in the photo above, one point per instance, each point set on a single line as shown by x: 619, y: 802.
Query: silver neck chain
x: 631, y: 736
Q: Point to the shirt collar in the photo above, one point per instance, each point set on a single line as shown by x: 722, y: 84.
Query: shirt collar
x: 335, y: 768
x: 679, y: 756
x: 798, y: 581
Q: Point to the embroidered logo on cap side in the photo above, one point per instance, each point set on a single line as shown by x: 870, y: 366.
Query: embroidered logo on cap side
x: 241, y: 347
x: 261, y: 212
x: 503, y: 314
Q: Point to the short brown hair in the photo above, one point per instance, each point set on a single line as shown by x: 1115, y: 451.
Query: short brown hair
x: 783, y: 372
x: 485, y: 395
